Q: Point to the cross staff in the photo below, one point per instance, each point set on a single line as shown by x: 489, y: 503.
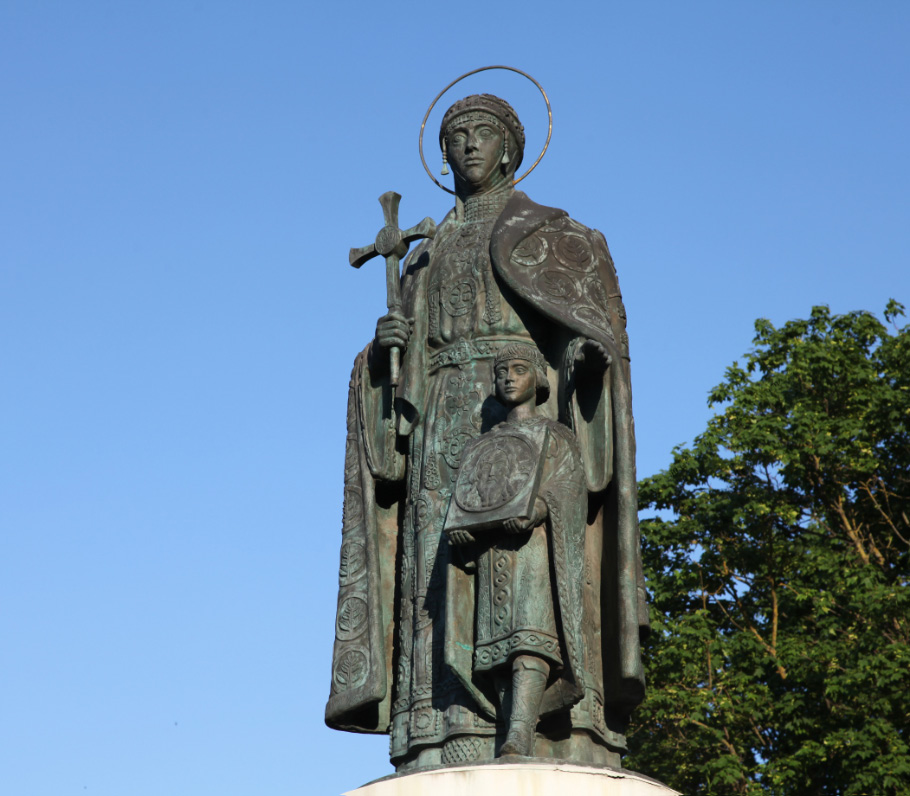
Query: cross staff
x: 392, y: 244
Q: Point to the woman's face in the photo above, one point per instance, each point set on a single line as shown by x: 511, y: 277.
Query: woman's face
x: 474, y: 150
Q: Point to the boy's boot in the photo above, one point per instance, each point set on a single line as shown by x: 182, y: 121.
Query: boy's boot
x: 529, y: 678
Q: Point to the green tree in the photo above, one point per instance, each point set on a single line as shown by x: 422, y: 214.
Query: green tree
x: 778, y: 564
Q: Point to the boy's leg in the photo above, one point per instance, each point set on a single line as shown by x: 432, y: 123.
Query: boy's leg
x: 529, y: 678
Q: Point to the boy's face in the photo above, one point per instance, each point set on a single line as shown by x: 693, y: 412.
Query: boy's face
x: 515, y: 382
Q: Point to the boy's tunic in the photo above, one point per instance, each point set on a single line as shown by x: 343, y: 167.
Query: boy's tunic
x: 516, y: 612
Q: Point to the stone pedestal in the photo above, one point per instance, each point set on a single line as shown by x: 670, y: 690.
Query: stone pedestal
x: 517, y: 779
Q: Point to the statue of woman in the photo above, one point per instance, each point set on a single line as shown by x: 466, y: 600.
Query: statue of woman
x: 501, y: 271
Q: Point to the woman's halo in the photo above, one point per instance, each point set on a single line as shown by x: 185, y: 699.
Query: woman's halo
x: 474, y: 72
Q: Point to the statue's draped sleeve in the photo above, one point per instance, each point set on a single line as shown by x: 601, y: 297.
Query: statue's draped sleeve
x: 374, y: 473
x: 360, y: 698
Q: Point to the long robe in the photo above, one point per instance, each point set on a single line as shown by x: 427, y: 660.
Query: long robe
x: 402, y: 657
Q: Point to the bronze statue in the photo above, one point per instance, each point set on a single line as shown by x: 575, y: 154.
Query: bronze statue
x: 503, y: 635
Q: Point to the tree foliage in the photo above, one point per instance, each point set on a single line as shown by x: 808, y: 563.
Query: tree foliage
x: 778, y: 573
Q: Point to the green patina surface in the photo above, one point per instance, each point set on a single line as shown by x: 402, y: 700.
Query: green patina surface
x: 496, y: 390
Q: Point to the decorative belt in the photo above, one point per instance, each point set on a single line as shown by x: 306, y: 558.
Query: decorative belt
x: 465, y: 351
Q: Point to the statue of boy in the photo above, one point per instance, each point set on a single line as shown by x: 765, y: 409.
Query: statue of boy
x: 501, y: 270
x: 526, y: 566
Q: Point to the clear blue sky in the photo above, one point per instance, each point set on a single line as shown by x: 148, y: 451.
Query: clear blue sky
x: 180, y: 183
